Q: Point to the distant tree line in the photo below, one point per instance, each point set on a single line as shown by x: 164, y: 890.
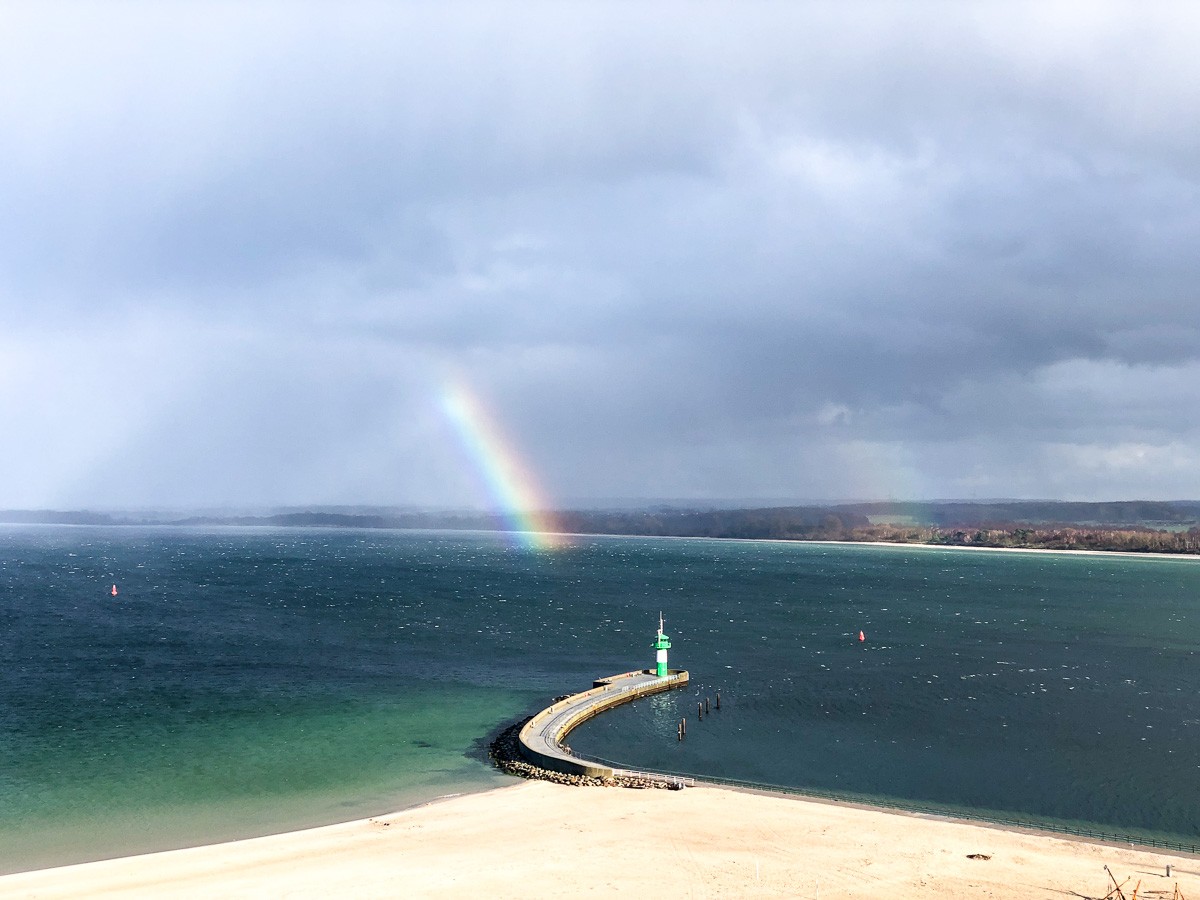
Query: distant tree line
x: 995, y: 513
x: 1130, y: 540
x: 1123, y: 526
x: 844, y: 524
x: 783, y: 523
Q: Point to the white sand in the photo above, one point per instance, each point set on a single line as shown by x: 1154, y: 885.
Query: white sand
x: 537, y: 839
x: 1135, y: 554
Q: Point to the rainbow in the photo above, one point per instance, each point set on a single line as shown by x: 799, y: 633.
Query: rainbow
x: 513, y: 490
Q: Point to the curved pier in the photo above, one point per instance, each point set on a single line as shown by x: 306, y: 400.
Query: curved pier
x: 541, y: 738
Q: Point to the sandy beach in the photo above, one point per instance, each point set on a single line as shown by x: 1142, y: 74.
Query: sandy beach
x: 1132, y: 554
x: 544, y: 840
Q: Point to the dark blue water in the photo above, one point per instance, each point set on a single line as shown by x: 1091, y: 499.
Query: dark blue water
x: 246, y: 681
x: 1050, y: 686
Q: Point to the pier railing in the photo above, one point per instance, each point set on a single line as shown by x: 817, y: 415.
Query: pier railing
x: 680, y: 780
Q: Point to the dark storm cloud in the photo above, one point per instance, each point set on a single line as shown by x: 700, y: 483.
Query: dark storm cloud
x: 680, y: 250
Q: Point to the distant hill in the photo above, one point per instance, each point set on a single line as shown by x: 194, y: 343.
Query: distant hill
x: 1144, y: 526
x: 780, y: 523
x: 56, y: 517
x: 1142, y: 513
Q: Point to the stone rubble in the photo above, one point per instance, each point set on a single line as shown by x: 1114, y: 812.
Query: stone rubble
x: 505, y: 753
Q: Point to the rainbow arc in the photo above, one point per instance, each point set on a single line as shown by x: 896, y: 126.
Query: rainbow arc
x: 512, y: 489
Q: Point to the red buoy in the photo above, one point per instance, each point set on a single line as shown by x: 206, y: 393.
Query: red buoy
x: 861, y: 636
x: 114, y: 590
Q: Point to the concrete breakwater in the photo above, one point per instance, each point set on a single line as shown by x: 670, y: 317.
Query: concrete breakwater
x: 505, y: 752
x: 540, y: 741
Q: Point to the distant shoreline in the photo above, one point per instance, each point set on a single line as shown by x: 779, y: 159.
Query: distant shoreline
x: 1137, y: 554
x: 374, y: 524
x: 1160, y: 528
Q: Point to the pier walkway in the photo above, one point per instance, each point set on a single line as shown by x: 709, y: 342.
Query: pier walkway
x: 541, y: 738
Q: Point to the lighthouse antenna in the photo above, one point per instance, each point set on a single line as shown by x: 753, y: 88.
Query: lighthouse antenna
x: 660, y: 622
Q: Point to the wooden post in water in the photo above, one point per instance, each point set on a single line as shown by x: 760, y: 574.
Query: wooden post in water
x: 718, y: 699
x: 685, y: 726
x: 706, y: 704
x: 700, y: 711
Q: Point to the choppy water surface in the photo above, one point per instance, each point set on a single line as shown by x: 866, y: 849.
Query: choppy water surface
x: 247, y: 681
x: 1037, y: 685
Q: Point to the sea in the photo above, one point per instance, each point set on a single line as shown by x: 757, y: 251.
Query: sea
x: 247, y: 681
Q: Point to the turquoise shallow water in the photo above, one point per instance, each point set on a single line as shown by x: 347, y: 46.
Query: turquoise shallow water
x: 249, y: 681
x: 239, y: 684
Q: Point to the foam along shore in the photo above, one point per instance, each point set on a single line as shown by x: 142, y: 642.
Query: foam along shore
x: 545, y: 840
x: 1132, y: 554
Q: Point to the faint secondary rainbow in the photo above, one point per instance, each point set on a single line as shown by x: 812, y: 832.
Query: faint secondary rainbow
x: 513, y: 490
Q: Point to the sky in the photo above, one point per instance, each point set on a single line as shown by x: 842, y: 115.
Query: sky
x: 689, y: 251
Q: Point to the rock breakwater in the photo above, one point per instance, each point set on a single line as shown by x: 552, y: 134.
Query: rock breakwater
x: 505, y: 753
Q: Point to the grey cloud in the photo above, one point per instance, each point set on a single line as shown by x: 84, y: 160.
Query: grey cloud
x: 679, y: 249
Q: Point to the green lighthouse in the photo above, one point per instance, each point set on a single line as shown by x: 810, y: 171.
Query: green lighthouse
x: 661, y: 646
